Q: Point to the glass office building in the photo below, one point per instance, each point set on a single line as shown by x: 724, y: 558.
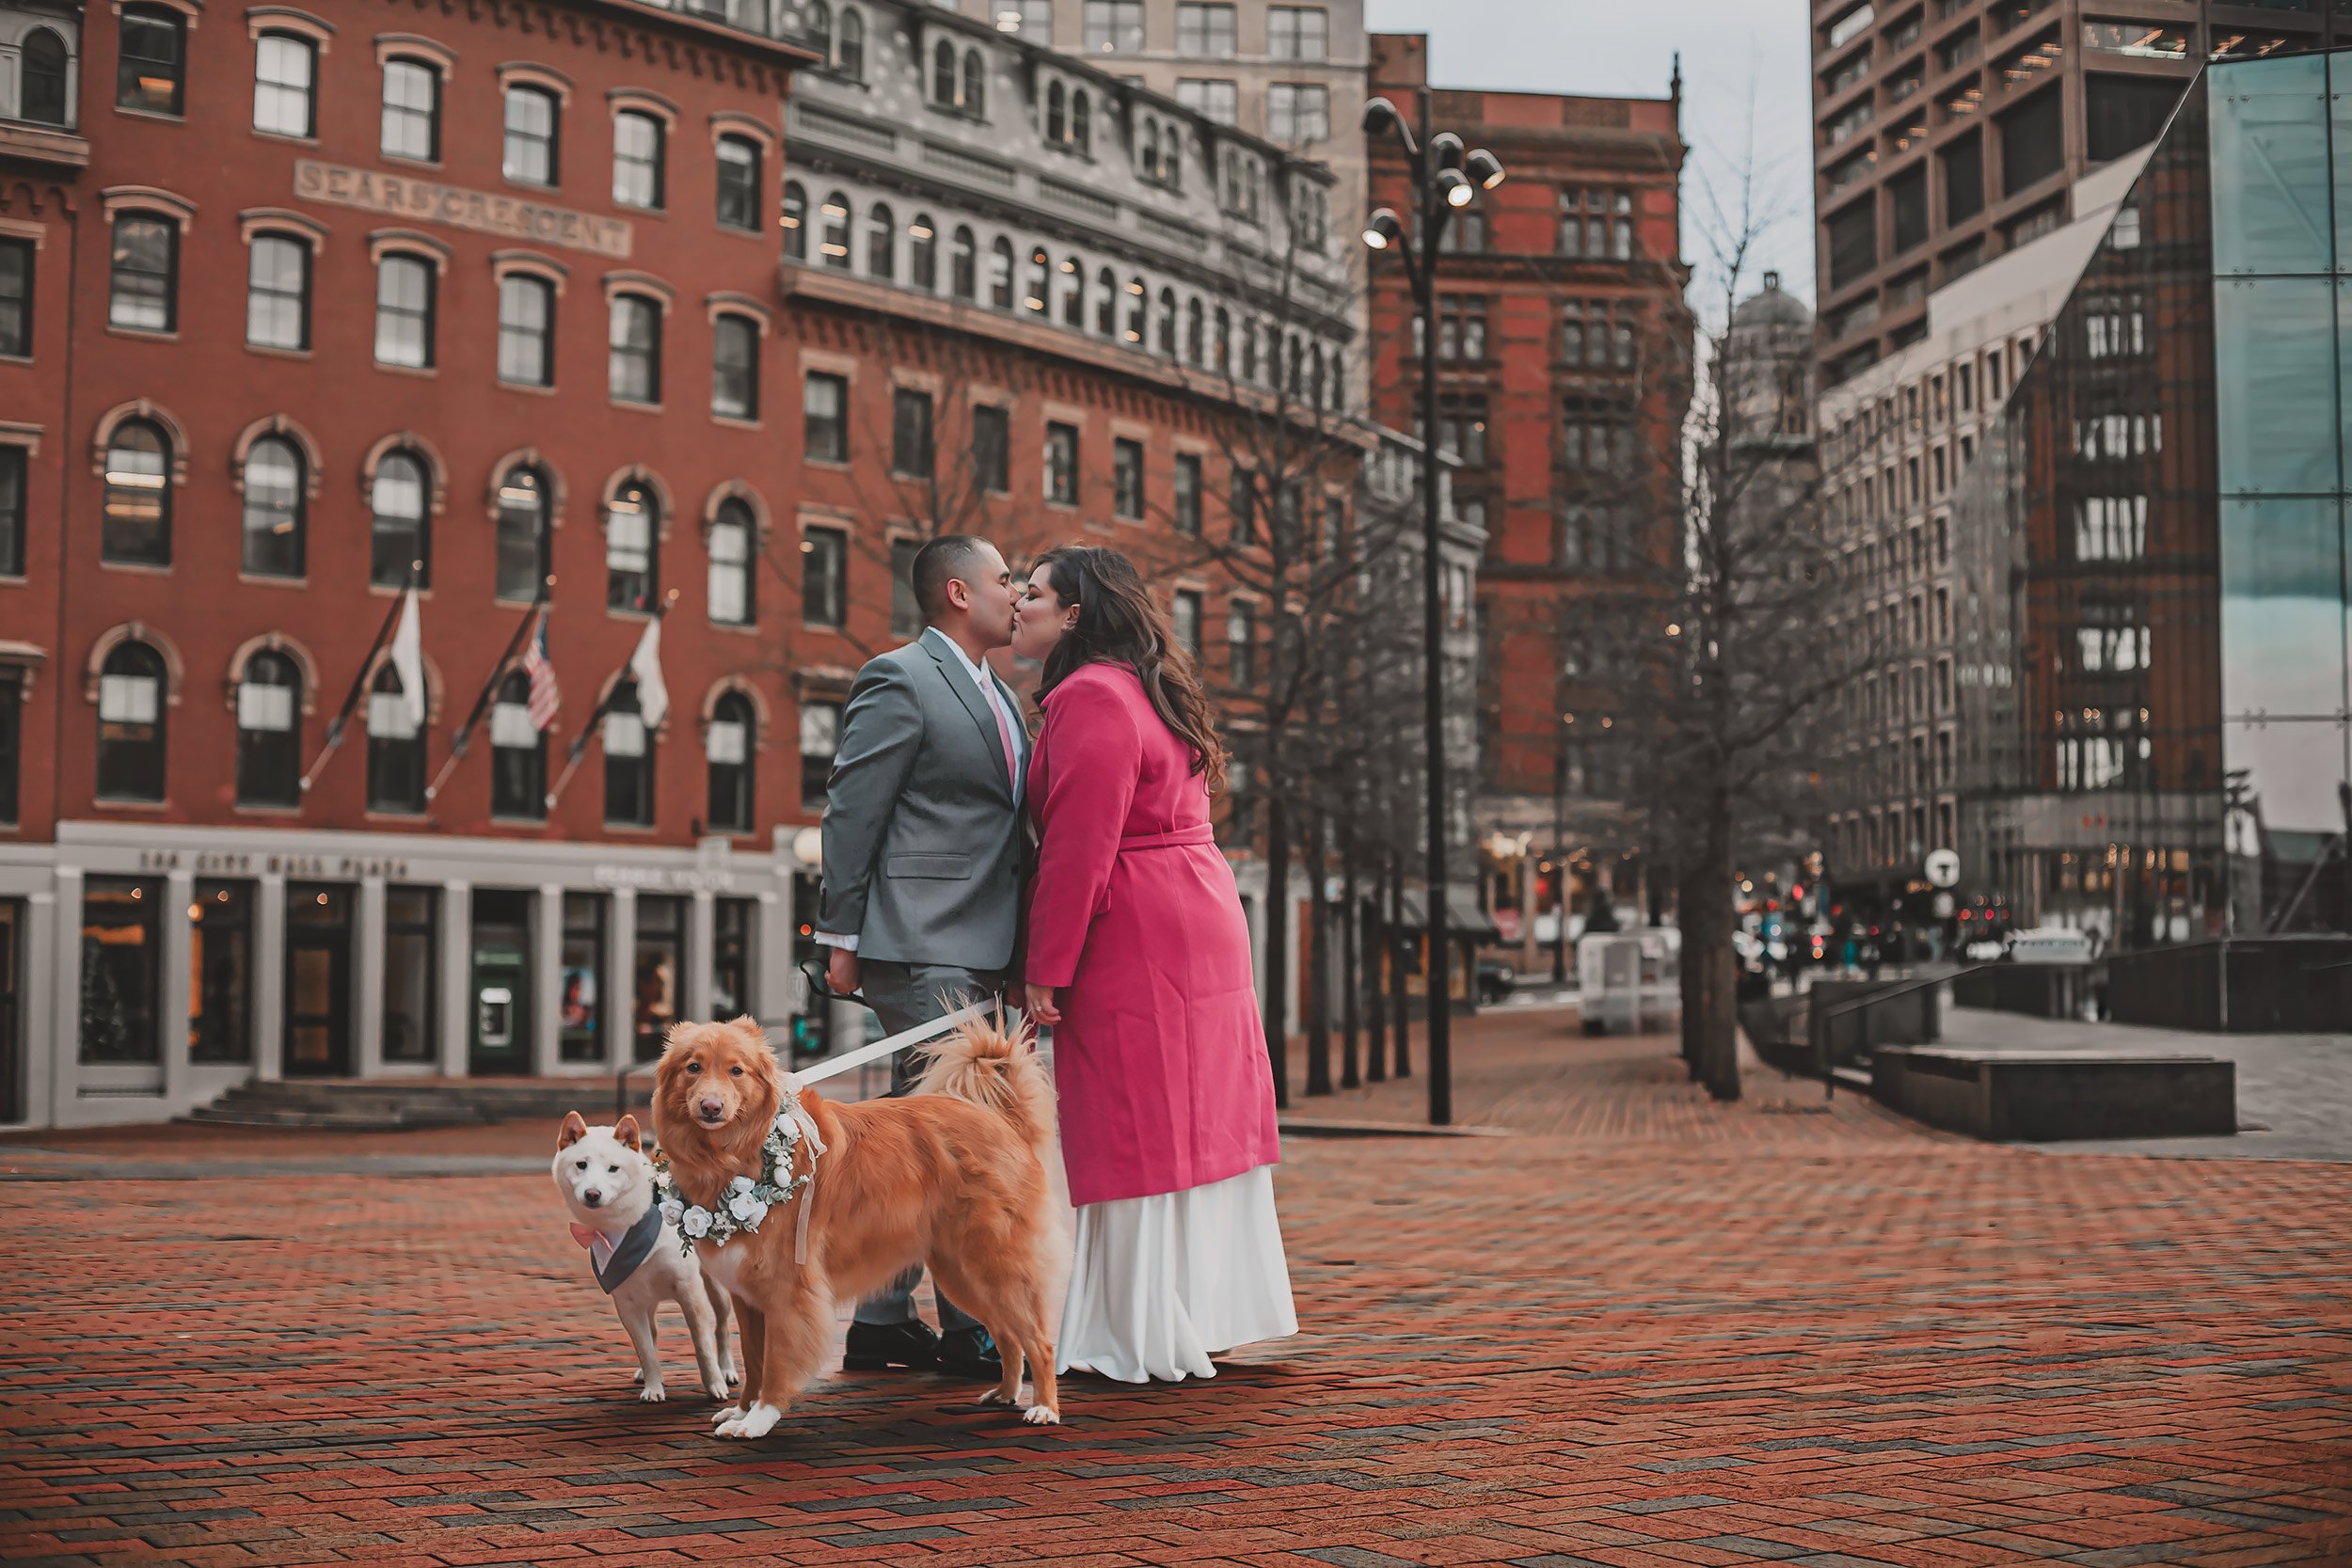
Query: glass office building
x: 2154, y: 671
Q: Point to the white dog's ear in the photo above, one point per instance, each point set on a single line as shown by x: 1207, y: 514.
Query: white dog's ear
x: 628, y: 1135
x: 574, y: 1128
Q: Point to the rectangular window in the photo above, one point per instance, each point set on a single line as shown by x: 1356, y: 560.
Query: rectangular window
x: 151, y: 60
x: 1189, y: 492
x: 825, y: 417
x: 1963, y: 177
x: 655, y: 968
x: 735, y: 368
x: 637, y: 139
x: 738, y: 185
x: 121, y: 969
x: 16, y: 299
x: 820, y: 740
x: 1462, y: 428
x: 144, y: 290
x: 13, y: 468
x: 1127, y: 479
x: 1298, y: 32
x: 1462, y: 329
x: 992, y: 449
x: 1853, y: 240
x: 579, y: 989
x: 412, y: 111
x: 1241, y: 644
x: 824, y: 577
x: 1114, y: 26
x: 285, y: 70
x: 634, y: 373
x: 278, y: 292
x: 1061, y: 465
x: 1907, y: 199
x: 1298, y: 113
x: 1028, y: 19
x: 531, y: 124
x: 220, y: 973
x: 628, y: 555
x: 1185, y: 620
x: 11, y: 742
x: 1243, y: 506
x: 2032, y: 141
x: 911, y: 455
x: 734, y: 941
x: 906, y: 614
x: 1217, y: 101
x: 1204, y: 29
x: 526, y: 306
x: 404, y: 311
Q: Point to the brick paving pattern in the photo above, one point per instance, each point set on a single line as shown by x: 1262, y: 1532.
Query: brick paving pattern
x: 1645, y: 1330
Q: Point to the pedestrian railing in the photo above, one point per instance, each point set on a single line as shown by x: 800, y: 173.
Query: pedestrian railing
x: 1821, y: 1036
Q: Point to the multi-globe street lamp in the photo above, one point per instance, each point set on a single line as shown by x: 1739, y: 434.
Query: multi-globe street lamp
x: 1444, y: 178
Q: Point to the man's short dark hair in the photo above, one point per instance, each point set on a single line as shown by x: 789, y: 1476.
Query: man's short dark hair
x: 950, y: 558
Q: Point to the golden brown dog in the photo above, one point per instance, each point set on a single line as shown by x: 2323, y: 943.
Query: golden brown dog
x: 951, y: 1176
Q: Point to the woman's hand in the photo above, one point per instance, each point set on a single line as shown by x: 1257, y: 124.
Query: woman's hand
x: 1041, y: 1005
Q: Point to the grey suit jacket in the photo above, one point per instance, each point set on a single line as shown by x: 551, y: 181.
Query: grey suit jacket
x: 923, y: 849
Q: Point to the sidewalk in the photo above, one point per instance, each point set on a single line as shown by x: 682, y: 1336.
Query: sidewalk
x: 1645, y: 1330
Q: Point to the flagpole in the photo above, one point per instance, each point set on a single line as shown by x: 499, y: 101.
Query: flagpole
x: 579, y: 746
x: 359, y: 681
x: 482, y: 703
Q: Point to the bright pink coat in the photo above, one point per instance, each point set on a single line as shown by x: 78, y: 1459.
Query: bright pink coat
x: 1133, y: 919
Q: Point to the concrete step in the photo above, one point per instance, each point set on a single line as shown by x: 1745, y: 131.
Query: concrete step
x: 381, y: 1104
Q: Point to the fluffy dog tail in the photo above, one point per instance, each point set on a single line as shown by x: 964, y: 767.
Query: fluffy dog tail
x: 993, y: 1063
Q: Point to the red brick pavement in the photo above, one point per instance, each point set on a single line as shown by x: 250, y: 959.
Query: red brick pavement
x: 1652, y: 1332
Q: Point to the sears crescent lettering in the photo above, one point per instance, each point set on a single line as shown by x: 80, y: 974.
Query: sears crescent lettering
x: 453, y: 207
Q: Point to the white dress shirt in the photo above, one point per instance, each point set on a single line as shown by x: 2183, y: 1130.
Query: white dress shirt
x: 997, y: 709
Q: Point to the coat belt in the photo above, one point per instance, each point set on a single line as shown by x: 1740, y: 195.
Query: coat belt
x: 1203, y: 833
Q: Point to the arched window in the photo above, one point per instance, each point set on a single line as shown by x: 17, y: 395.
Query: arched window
x: 1074, y: 298
x: 632, y: 577
x: 150, y: 59
x: 1297, y: 382
x: 1138, y: 301
x: 518, y: 753
x: 638, y: 157
x: 522, y: 536
x: 269, y: 731
x: 732, y: 536
x: 272, y: 509
x: 400, y: 533
x: 1056, y: 118
x: 851, y: 56
x: 1195, y: 332
x: 1223, y: 352
x: 131, y: 693
x: 1107, y: 304
x: 943, y: 75
x: 923, y: 253
x: 1172, y: 160
x: 137, y: 528
x: 974, y: 85
x: 740, y: 196
x: 728, y: 747
x: 43, y: 71
x: 1000, y: 273
x: 1168, y: 322
x: 1316, y: 388
x: 395, y: 746
x: 964, y: 265
x: 1082, y: 123
x: 795, y: 221
x: 1151, y: 150
x: 1040, y: 280
x: 834, y: 251
x: 881, y: 241
x: 627, y: 761
x: 1249, y: 351
x: 819, y: 24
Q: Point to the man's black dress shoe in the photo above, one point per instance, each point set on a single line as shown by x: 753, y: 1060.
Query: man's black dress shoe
x: 969, y: 1353
x: 873, y: 1347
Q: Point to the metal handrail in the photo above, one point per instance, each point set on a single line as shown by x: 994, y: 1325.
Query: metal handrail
x: 1862, y: 1003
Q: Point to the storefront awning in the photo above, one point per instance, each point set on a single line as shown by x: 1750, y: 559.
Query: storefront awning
x: 1463, y: 917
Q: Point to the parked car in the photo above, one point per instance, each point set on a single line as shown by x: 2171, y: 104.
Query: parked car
x: 1496, y: 980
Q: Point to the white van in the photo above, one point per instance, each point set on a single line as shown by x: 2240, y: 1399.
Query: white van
x: 2050, y: 945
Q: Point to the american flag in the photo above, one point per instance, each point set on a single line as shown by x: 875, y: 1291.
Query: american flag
x: 544, y: 697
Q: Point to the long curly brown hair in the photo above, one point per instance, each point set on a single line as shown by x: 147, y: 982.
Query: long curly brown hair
x: 1121, y: 622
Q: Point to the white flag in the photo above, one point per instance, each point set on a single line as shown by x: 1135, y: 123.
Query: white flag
x: 653, y: 696
x: 408, y: 658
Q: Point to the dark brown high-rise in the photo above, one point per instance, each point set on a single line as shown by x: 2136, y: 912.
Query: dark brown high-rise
x: 1946, y: 131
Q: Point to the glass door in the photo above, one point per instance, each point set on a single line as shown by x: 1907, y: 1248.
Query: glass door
x: 318, y: 980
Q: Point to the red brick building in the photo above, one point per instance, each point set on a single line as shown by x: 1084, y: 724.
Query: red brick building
x: 1564, y: 350
x: 291, y: 301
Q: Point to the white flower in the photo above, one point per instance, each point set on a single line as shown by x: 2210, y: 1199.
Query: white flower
x: 696, y: 1222
x: 671, y: 1210
x: 742, y: 1205
x: 759, y: 1212
x: 740, y: 1184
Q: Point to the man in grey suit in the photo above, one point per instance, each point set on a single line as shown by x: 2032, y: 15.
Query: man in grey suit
x: 921, y: 903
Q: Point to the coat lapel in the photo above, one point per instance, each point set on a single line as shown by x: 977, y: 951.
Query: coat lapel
x: 950, y: 670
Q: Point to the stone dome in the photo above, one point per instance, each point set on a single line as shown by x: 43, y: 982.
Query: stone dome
x: 1771, y: 307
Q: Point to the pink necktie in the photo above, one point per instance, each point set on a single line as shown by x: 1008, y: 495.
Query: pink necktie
x: 1004, y: 732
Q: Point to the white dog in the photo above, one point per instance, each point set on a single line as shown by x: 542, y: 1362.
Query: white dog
x: 607, y: 1184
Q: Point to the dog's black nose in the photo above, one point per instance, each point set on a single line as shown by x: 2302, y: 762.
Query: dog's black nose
x: 592, y: 1198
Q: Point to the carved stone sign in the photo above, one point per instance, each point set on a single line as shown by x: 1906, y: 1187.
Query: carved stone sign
x: 425, y: 201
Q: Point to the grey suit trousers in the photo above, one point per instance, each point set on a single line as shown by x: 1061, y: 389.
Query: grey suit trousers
x: 902, y: 996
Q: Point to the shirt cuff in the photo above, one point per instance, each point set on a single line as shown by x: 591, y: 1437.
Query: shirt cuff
x: 847, y: 944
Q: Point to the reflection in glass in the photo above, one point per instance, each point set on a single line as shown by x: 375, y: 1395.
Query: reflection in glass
x: 2273, y: 385
x: 2270, y: 204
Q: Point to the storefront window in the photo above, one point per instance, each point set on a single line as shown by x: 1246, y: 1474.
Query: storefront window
x: 411, y: 930
x: 659, y: 958
x: 731, y: 958
x: 220, y: 973
x: 579, y: 1004
x: 121, y: 969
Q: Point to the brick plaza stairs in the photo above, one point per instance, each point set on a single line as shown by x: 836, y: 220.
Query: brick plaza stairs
x: 377, y: 1104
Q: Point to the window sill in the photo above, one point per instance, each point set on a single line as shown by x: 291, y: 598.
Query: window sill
x: 1060, y: 505
x: 646, y: 828
x: 534, y: 388
x: 270, y: 351
x: 259, y: 135
x: 144, y: 334
x: 103, y: 803
x: 734, y: 422
x: 740, y: 234
x: 163, y: 116
x: 549, y: 186
x: 820, y: 625
x: 640, y: 615
x: 376, y: 814
x: 261, y: 580
x: 15, y: 359
x: 284, y: 812
x: 632, y: 406
x: 830, y: 465
x: 140, y: 568
x: 382, y: 591
x: 740, y: 628
x: 426, y: 373
x: 405, y: 161
x: 497, y: 821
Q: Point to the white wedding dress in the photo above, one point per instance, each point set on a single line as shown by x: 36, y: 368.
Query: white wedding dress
x: 1160, y: 1282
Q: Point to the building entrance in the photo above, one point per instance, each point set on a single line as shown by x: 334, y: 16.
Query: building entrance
x: 318, y: 980
x: 12, y: 1010
x: 501, y: 982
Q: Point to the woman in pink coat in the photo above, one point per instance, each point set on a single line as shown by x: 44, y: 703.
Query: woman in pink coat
x: 1138, y: 957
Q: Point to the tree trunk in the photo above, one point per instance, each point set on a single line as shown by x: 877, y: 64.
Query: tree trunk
x: 1717, y: 917
x: 1318, y: 959
x: 1379, y: 952
x: 1278, y: 919
x: 1400, y: 1010
x: 1351, y: 970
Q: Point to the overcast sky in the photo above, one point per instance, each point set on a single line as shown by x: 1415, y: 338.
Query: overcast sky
x: 1744, y: 62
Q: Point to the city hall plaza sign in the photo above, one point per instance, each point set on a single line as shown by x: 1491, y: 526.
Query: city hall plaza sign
x: 428, y: 202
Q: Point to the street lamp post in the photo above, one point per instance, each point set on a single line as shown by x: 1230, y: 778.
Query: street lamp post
x: 1443, y: 178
